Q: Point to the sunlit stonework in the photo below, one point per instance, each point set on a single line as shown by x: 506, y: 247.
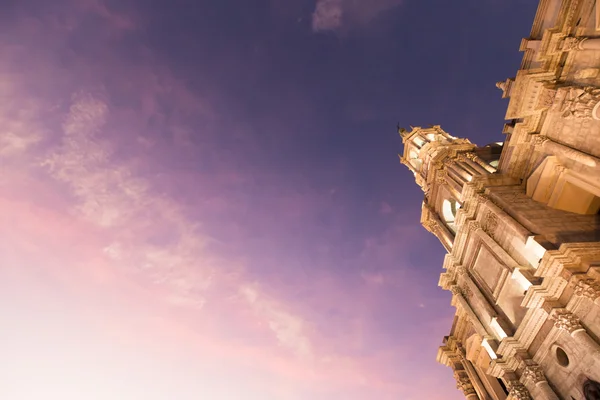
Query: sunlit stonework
x: 519, y: 219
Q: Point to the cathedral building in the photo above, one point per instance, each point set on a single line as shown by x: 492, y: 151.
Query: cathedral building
x: 519, y: 219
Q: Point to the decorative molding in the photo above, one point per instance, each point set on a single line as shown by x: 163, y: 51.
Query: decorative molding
x: 440, y: 178
x: 490, y: 223
x: 518, y: 391
x: 573, y: 43
x: 464, y: 383
x: 570, y: 256
x: 539, y: 140
x: 565, y: 320
x: 473, y: 226
x: 577, y: 102
x: 461, y: 270
x: 588, y: 287
x: 456, y: 290
x: 571, y: 13
x: 534, y: 373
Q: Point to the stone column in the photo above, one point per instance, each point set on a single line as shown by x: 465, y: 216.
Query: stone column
x: 462, y: 272
x: 517, y: 391
x: 456, y: 187
x: 536, y: 381
x: 479, y: 169
x: 458, y: 174
x: 477, y: 160
x: 444, y: 179
x: 464, y: 383
x: 479, y: 387
x: 466, y: 307
x: 550, y: 146
x: 569, y: 322
x: 459, y: 168
x: 439, y: 229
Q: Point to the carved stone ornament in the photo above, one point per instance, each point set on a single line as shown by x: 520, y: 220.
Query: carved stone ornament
x: 534, y: 373
x: 589, y: 288
x: 471, y: 156
x: 473, y: 226
x: 559, y: 168
x: 464, y: 383
x: 441, y: 177
x: 431, y: 225
x: 546, y: 98
x: 572, y: 43
x: 456, y: 290
x: 462, y: 158
x: 565, y: 320
x: 518, y: 391
x: 490, y: 222
x: 481, y: 199
x: 539, y: 140
x: 577, y: 102
x: 461, y: 270
x: 466, y: 291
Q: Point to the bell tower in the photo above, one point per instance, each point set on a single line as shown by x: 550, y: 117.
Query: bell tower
x: 442, y: 165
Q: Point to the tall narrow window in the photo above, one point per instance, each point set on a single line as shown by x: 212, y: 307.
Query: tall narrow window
x: 449, y: 210
x: 418, y: 140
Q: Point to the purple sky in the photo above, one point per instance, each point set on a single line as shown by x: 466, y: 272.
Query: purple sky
x: 202, y: 199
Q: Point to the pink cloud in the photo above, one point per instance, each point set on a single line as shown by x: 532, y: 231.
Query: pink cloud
x: 332, y: 15
x: 127, y: 278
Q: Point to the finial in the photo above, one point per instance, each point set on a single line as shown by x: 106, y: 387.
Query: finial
x: 501, y: 85
x: 403, y: 132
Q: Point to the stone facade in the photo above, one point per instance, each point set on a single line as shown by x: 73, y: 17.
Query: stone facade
x: 520, y: 221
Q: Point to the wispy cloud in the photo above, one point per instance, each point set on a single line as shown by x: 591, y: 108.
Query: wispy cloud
x: 117, y: 206
x: 328, y: 15
x: 333, y: 15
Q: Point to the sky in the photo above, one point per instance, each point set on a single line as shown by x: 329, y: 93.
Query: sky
x: 203, y: 199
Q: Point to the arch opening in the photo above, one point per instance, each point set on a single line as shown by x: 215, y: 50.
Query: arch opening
x: 449, y: 209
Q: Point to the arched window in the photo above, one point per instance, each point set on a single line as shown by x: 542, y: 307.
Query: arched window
x: 418, y: 140
x: 414, y: 159
x: 449, y: 209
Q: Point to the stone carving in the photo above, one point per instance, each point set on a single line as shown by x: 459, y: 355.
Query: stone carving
x: 462, y: 157
x: 481, y: 199
x: 490, y: 223
x: 430, y: 225
x: 546, y: 98
x: 572, y: 43
x: 587, y: 73
x: 566, y: 321
x: 577, y: 102
x: 466, y: 291
x: 441, y: 177
x: 589, y: 288
x: 456, y: 290
x: 461, y: 270
x: 534, y: 373
x: 559, y: 168
x: 573, y: 6
x: 539, y: 140
x: 517, y: 391
x: 464, y: 383
x: 473, y: 226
